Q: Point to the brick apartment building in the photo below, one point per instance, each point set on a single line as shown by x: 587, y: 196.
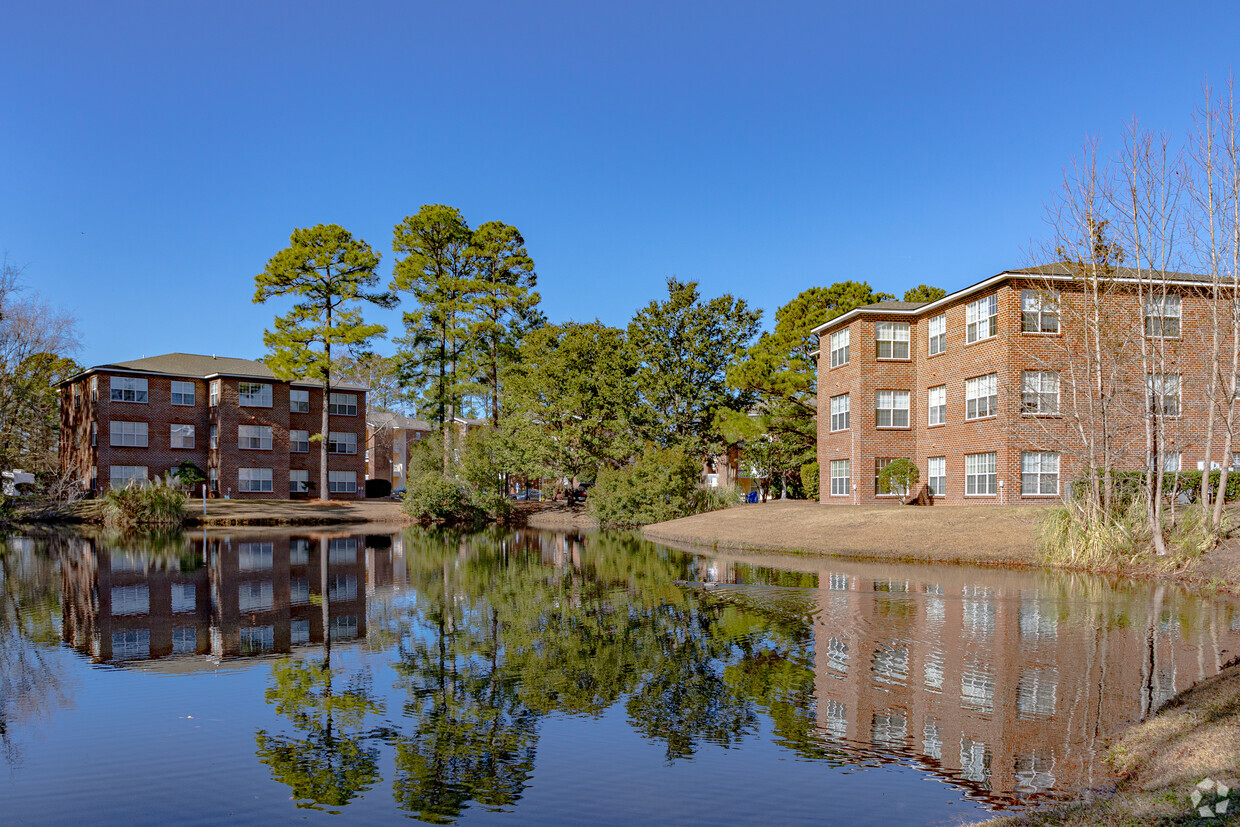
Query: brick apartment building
x: 389, y: 439
x: 247, y: 430
x: 977, y: 388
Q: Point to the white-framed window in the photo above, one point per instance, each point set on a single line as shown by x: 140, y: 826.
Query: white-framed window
x: 896, y: 490
x: 128, y: 434
x: 979, y: 474
x: 94, y: 389
x: 215, y: 436
x: 1171, y: 462
x: 1164, y: 393
x: 299, y: 442
x: 299, y: 632
x: 255, y: 596
x: 94, y: 434
x: 134, y: 644
x: 342, y: 551
x: 298, y: 481
x: 256, y: 639
x: 213, y: 478
x: 839, y: 412
x: 341, y: 443
x: 342, y: 482
x: 254, y: 479
x: 841, y: 480
x: 258, y: 556
x: 343, y: 627
x: 1162, y: 317
x: 937, y: 476
x: 299, y: 591
x: 1039, y: 473
x: 184, y: 640
x: 936, y: 403
x: 299, y: 401
x: 839, y: 348
x: 182, y: 393
x: 181, y: 436
x: 342, y: 404
x: 1039, y: 311
x: 128, y: 389
x: 255, y: 437
x: 936, y: 332
x: 122, y: 475
x: 298, y: 552
x: 213, y: 394
x: 184, y: 598
x: 981, y: 396
x: 1039, y: 392
x: 131, y: 600
x: 254, y: 394
x: 891, y: 409
x: 982, y: 318
x: 891, y: 340
x: 342, y: 587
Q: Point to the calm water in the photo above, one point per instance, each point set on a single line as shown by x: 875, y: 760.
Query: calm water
x: 534, y: 677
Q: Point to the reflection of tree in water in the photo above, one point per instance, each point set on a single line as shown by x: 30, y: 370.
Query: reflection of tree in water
x: 31, y: 685
x: 327, y: 762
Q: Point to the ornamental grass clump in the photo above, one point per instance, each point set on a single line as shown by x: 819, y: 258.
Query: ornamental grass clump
x: 1080, y: 534
x: 158, y: 503
x: 714, y: 497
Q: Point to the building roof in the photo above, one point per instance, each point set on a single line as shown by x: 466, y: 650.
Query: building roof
x: 1055, y: 271
x: 201, y: 367
x: 388, y: 419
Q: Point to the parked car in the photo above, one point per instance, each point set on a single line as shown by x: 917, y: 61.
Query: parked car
x: 528, y: 495
x: 398, y: 493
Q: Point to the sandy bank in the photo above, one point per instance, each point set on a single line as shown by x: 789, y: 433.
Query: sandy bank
x: 554, y: 516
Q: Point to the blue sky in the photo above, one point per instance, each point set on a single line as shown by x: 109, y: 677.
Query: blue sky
x: 154, y: 155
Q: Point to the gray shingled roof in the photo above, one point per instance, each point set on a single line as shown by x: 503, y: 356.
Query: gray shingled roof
x: 893, y: 305
x: 193, y: 364
x: 1060, y: 268
x: 388, y: 419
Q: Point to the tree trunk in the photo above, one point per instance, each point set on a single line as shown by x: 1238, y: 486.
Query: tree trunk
x: 324, y: 494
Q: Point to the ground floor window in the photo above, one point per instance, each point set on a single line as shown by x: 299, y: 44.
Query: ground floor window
x: 298, y: 481
x: 342, y: 482
x: 937, y: 476
x: 254, y: 480
x: 123, y: 475
x: 979, y: 474
x: 841, y: 481
x: 1039, y: 473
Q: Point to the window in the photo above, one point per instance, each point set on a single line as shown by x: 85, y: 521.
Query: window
x: 298, y: 552
x: 841, y: 482
x: 182, y: 393
x: 94, y: 389
x: 896, y: 490
x: 342, y: 587
x: 1039, y: 392
x: 131, y: 645
x: 255, y: 556
x: 128, y: 389
x: 891, y: 340
x: 981, y: 396
x: 839, y: 348
x: 342, y: 404
x: 254, y: 394
x: 299, y: 401
x: 299, y: 441
x: 213, y: 478
x: 1039, y: 473
x: 341, y: 443
x: 131, y: 600
x: 256, y: 639
x: 215, y: 437
x: 299, y: 592
x: 213, y: 398
x: 298, y: 481
x: 184, y: 640
x: 937, y: 473
x: 839, y: 412
x: 937, y: 331
x: 94, y: 433
x: 255, y: 480
x: 257, y: 437
x: 299, y: 632
x: 342, y: 482
x: 891, y: 409
x: 183, y: 597
x: 1039, y: 311
x: 129, y: 434
x: 181, y: 436
x: 123, y: 475
x: 343, y: 551
x: 1162, y: 317
x: 982, y: 318
x: 979, y: 474
x: 1164, y: 394
x: 1171, y: 462
x: 936, y: 401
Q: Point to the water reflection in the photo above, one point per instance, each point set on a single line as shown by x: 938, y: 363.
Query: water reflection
x: 1005, y: 685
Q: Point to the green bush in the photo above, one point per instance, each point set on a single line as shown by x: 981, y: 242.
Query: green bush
x: 1129, y: 484
x: 658, y: 486
x: 898, y: 475
x: 430, y: 497
x: 158, y: 503
x: 809, y: 479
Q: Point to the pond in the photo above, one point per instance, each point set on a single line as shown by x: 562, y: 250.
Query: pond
x: 528, y: 677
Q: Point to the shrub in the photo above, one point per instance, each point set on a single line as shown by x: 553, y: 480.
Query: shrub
x: 809, y: 479
x: 898, y: 475
x: 658, y: 486
x: 713, y: 498
x: 158, y: 503
x: 430, y: 497
x: 378, y: 488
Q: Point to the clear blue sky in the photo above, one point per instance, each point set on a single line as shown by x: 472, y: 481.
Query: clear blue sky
x: 154, y: 155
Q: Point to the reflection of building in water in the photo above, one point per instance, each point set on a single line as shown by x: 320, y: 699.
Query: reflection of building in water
x: 220, y: 597
x: 1007, y: 689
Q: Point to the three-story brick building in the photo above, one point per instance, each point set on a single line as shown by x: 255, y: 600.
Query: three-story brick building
x: 247, y: 430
